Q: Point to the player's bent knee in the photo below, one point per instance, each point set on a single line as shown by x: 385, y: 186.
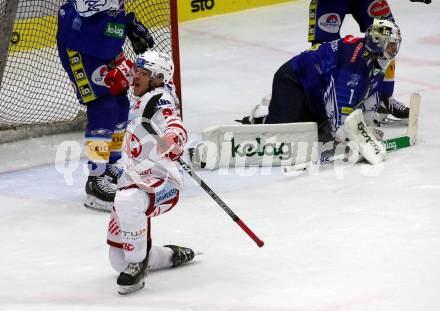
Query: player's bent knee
x: 117, y: 259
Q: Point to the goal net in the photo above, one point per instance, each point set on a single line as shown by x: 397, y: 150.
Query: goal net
x: 36, y: 96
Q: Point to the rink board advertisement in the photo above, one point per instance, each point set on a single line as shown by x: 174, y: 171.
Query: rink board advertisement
x: 44, y: 28
x: 256, y: 145
x: 193, y: 9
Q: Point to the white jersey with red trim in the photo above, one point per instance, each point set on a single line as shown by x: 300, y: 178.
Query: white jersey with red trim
x: 153, y: 113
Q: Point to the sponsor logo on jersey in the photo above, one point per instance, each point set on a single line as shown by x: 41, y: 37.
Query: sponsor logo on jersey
x: 163, y: 102
x: 201, y: 5
x: 356, y: 52
x: 379, y: 8
x: 165, y: 195
x: 114, y: 30
x: 146, y: 172
x: 330, y: 22
x: 99, y: 74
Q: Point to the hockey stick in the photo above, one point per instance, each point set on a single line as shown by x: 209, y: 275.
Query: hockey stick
x: 220, y: 202
x: 391, y: 144
x: 149, y: 111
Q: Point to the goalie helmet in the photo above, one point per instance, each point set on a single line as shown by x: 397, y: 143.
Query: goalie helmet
x: 157, y: 63
x: 383, y: 38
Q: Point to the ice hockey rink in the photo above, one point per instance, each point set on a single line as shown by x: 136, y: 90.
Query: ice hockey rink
x: 345, y: 238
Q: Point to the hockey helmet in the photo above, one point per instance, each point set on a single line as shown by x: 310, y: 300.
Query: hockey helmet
x: 383, y: 39
x: 157, y: 63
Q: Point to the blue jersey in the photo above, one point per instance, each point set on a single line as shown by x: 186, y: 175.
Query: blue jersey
x: 101, y: 35
x: 337, y: 76
x: 326, y: 16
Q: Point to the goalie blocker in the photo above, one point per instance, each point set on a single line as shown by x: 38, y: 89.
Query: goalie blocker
x: 256, y: 145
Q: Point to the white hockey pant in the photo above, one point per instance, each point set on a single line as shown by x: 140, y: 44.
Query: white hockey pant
x: 129, y: 227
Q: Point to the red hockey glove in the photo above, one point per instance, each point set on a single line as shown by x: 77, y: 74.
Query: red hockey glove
x: 119, y: 79
x: 170, y: 146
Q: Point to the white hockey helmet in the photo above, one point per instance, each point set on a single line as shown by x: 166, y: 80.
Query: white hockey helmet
x: 157, y: 63
x: 383, y: 39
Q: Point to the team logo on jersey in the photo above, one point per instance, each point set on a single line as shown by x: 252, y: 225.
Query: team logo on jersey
x: 134, y: 146
x: 379, y: 8
x: 354, y: 80
x: 99, y: 74
x: 330, y: 22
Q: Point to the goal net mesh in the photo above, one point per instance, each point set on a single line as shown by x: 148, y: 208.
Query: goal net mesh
x: 35, y: 91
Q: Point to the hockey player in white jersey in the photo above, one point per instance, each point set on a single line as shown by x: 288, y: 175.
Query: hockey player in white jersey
x: 151, y: 181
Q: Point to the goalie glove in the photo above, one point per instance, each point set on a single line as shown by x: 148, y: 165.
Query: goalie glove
x: 170, y: 146
x: 118, y: 80
x: 139, y: 36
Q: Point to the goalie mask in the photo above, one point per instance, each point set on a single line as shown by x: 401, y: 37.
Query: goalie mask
x: 157, y: 63
x: 383, y: 39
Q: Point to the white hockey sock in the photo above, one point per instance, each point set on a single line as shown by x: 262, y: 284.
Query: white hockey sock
x: 160, y: 258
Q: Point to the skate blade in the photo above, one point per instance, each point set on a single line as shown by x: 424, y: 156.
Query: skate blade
x: 97, y: 204
x: 125, y: 290
x: 391, y: 120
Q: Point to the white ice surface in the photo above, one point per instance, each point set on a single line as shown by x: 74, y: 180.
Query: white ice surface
x: 336, y: 240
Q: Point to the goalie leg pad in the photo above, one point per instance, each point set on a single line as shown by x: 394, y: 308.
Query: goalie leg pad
x: 358, y: 132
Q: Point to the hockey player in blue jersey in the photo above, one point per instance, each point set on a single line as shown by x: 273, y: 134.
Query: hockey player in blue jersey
x: 335, y: 84
x: 90, y: 39
x: 325, y: 20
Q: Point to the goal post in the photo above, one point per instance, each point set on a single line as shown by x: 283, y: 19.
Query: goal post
x: 36, y: 96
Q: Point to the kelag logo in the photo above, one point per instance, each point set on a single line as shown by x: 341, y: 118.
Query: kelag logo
x: 201, y: 5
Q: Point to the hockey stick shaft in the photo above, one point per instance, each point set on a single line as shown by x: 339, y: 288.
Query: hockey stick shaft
x: 220, y: 202
x: 148, y: 125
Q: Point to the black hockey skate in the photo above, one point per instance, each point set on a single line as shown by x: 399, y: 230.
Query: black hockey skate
x: 398, y: 111
x: 100, y: 193
x: 181, y: 255
x: 114, y: 173
x: 132, y: 278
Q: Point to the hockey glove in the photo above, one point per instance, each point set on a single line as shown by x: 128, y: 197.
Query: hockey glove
x: 170, y: 146
x: 139, y: 36
x: 424, y: 1
x: 119, y: 79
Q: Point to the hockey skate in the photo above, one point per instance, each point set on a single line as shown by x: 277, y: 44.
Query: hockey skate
x: 132, y: 278
x: 181, y: 255
x: 100, y: 193
x: 259, y: 113
x: 393, y: 112
x: 114, y: 172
